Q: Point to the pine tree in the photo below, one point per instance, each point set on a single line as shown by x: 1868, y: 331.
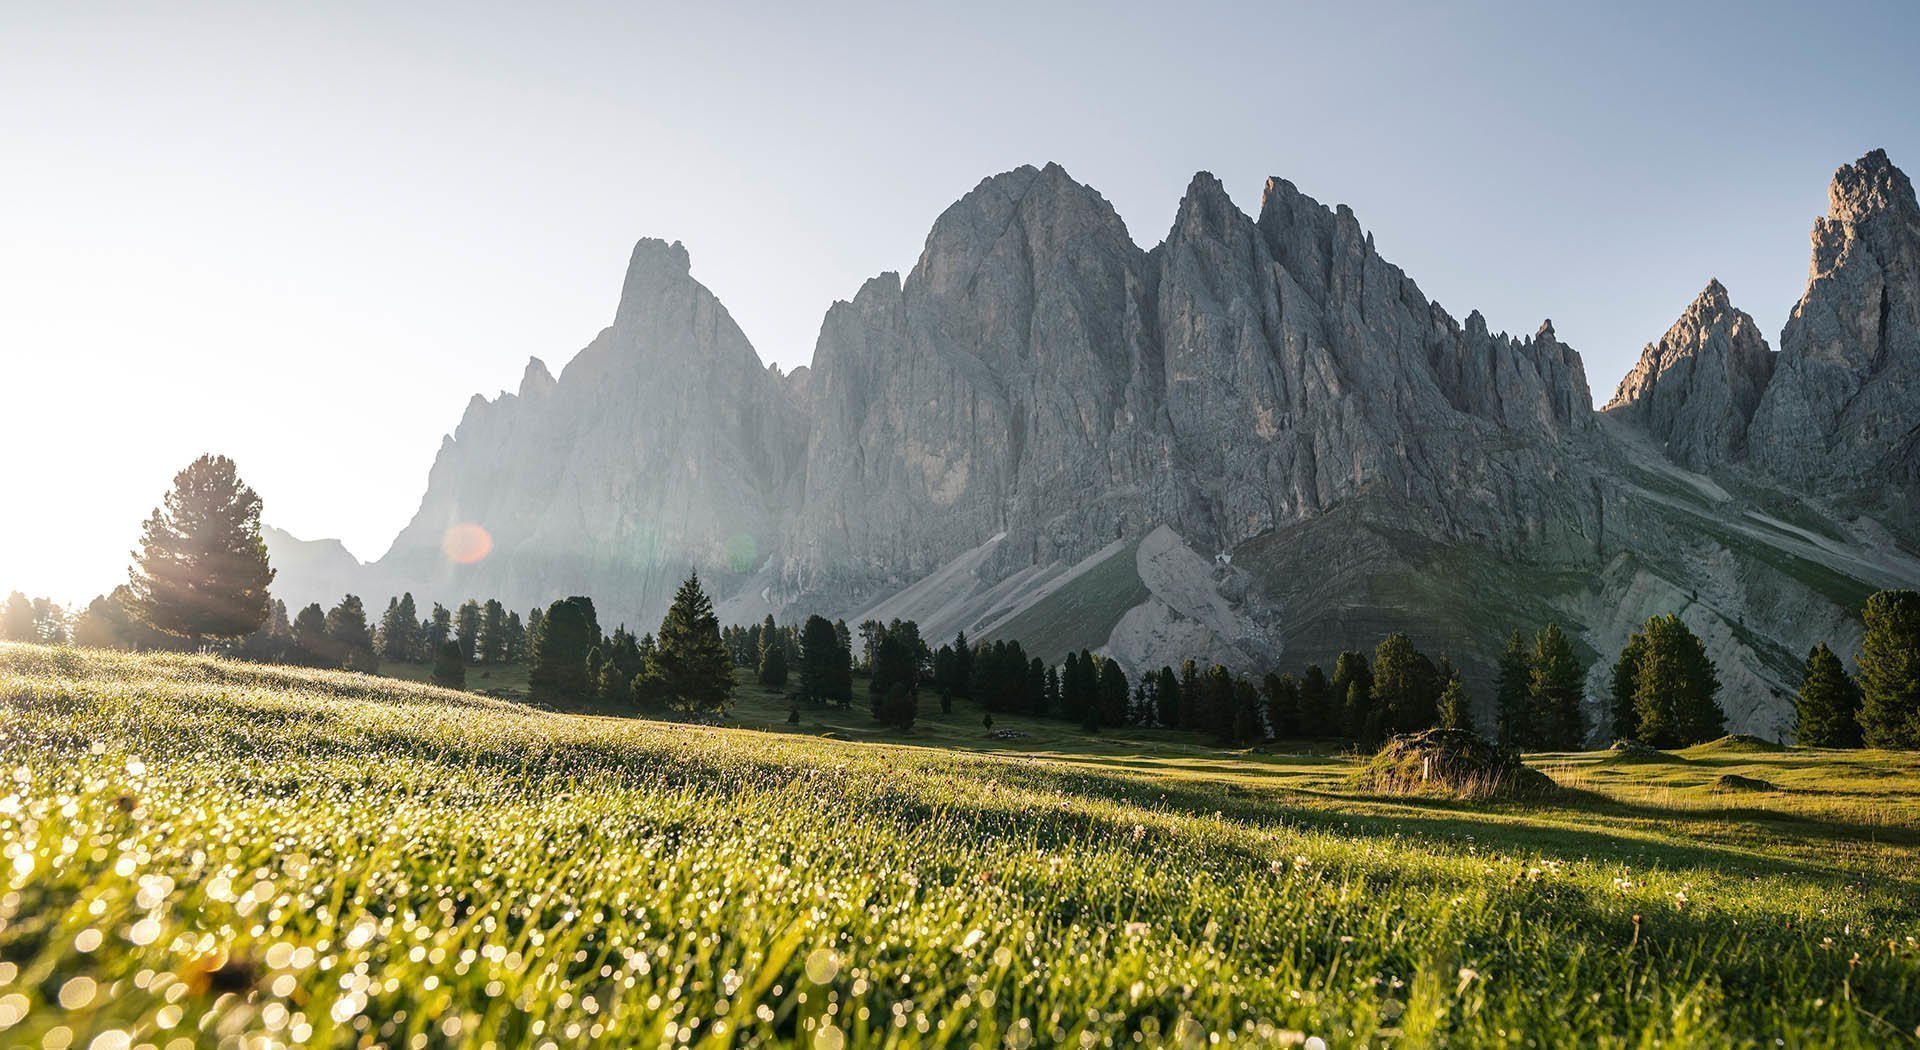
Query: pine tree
x: 310, y: 637
x: 1675, y: 687
x: 1361, y: 720
x: 1622, y: 686
x: 1282, y: 695
x: 1316, y: 704
x: 1510, y: 694
x: 1554, y: 693
x: 16, y: 620
x: 397, y: 627
x: 348, y: 634
x: 201, y: 571
x: 490, y: 646
x: 1456, y: 708
x: 466, y: 630
x: 822, y: 660
x: 1890, y: 671
x: 773, y: 666
x: 1166, y: 698
x: 1246, y: 713
x: 1829, y: 703
x: 516, y: 633
x: 1403, y: 693
x: 1050, y: 692
x: 1113, y: 693
x: 569, y: 631
x: 438, y: 630
x: 690, y: 668
x: 1222, y: 704
x: 449, y: 668
x: 1192, y: 693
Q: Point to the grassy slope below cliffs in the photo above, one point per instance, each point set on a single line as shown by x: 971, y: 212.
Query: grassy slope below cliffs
x: 198, y: 850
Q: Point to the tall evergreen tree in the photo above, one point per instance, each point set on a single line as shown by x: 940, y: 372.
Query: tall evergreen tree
x: 397, y: 627
x: 438, y: 629
x: 1403, y: 692
x: 466, y: 630
x: 1113, y: 693
x: 1361, y: 721
x: 1456, y: 708
x: 1222, y: 704
x: 1050, y: 692
x: 490, y: 645
x: 349, y: 635
x: 1282, y: 695
x: 1675, y: 686
x: 1246, y: 713
x: 1890, y: 671
x: 516, y: 636
x: 1829, y: 703
x: 1316, y: 704
x: 1512, y: 686
x: 16, y: 619
x: 1623, y: 685
x: 201, y: 571
x: 557, y: 671
x: 1166, y: 698
x: 310, y: 637
x: 449, y: 669
x: 825, y: 664
x: 1193, y: 697
x: 962, y: 665
x: 690, y: 668
x: 1554, y: 693
x: 773, y: 666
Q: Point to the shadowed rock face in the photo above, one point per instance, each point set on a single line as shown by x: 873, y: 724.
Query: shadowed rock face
x: 1319, y: 452
x: 1697, y: 388
x: 1844, y: 405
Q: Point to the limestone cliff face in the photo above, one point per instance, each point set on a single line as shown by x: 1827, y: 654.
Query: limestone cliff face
x: 1844, y: 405
x: 1257, y: 441
x: 1037, y: 374
x: 1697, y: 388
x: 663, y: 446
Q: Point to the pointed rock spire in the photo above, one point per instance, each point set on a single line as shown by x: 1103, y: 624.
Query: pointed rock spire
x: 1696, y: 389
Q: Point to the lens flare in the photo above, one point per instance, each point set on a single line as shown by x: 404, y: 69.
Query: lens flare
x: 466, y: 543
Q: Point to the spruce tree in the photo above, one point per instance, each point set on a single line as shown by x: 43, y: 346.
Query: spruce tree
x: 1456, y: 708
x: 1113, y: 693
x: 310, y: 637
x: 1246, y: 713
x: 1829, y: 703
x: 1402, y: 692
x: 397, y: 627
x: 1316, y: 704
x: 348, y: 634
x: 1554, y: 693
x: 1675, y: 687
x: 201, y: 571
x: 466, y: 630
x: 1221, y: 705
x: 690, y: 668
x: 773, y: 666
x: 438, y: 629
x: 490, y: 647
x: 1511, y: 685
x: 16, y: 619
x: 1358, y: 716
x: 1624, y: 684
x: 1890, y: 671
x: 569, y: 631
x: 1166, y: 698
x: 1282, y: 695
x: 820, y: 654
x: 449, y: 669
x: 1193, y: 698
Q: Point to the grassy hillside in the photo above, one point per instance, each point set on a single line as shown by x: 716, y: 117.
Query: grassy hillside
x: 208, y: 853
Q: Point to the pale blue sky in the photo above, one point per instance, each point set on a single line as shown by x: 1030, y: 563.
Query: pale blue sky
x: 303, y: 236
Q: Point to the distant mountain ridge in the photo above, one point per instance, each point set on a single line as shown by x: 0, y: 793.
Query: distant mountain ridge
x: 1256, y: 442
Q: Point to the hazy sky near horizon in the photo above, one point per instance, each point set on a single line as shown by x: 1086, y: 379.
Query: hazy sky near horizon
x: 305, y: 236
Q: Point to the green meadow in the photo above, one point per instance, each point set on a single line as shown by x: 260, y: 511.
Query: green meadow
x: 201, y: 852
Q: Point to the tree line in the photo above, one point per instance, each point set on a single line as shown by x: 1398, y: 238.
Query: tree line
x: 201, y: 574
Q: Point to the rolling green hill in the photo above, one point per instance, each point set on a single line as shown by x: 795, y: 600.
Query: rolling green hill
x: 202, y: 852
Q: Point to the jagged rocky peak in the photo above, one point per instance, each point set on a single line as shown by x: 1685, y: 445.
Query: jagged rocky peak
x: 1697, y: 388
x: 1839, y: 414
x: 536, y: 381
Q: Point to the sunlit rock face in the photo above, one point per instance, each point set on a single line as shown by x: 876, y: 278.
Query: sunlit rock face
x: 1257, y: 438
x: 663, y: 446
x: 1844, y: 405
x: 1697, y: 388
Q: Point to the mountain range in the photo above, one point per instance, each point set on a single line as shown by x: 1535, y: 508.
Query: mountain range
x: 1256, y: 443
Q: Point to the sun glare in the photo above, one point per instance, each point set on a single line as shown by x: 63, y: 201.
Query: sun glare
x: 467, y: 543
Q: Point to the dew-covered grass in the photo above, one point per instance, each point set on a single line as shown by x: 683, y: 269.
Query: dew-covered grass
x: 202, y: 853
